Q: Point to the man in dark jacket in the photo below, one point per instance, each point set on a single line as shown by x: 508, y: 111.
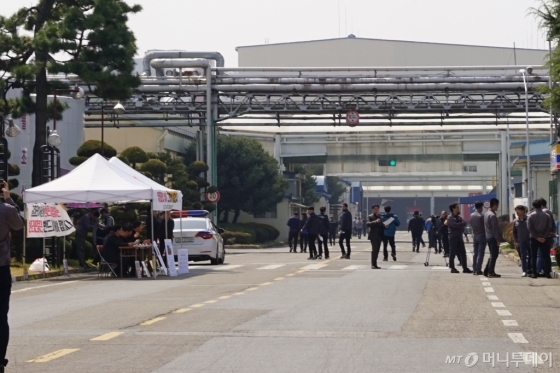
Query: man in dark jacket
x: 9, y: 220
x: 493, y: 238
x: 456, y: 224
x: 345, y: 231
x: 303, y: 236
x: 312, y: 226
x: 165, y: 230
x: 87, y: 223
x: 323, y: 234
x: 444, y: 233
x: 375, y: 236
x: 540, y: 225
x: 416, y: 227
x: 293, y: 223
x: 479, y: 237
x: 333, y: 226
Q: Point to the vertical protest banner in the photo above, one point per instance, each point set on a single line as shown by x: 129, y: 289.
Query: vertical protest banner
x: 183, y: 259
x: 170, y: 257
x: 160, y: 259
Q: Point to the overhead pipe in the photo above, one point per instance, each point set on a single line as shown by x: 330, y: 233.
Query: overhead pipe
x: 382, y: 68
x: 151, y: 55
x: 337, y: 88
x: 342, y: 80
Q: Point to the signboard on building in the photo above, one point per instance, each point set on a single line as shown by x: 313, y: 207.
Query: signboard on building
x: 555, y: 157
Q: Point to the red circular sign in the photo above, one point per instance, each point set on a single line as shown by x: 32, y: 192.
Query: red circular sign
x: 352, y: 118
x: 212, y: 197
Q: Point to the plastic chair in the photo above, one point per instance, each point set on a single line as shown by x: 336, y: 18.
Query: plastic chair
x: 105, y: 268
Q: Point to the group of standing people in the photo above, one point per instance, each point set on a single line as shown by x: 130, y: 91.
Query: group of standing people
x: 314, y: 231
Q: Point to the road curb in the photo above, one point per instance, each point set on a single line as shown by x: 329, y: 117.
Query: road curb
x: 50, y: 274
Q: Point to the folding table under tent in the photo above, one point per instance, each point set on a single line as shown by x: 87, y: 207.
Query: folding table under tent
x: 98, y: 180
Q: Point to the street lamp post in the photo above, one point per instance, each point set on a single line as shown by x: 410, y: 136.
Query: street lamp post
x: 12, y: 131
x: 117, y: 109
x: 524, y: 73
x: 76, y: 93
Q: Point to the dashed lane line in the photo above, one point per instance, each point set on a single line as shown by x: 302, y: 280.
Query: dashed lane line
x: 397, y: 267
x: 492, y: 297
x: 272, y: 266
x: 182, y: 310
x: 503, y: 312
x: 498, y: 305
x: 107, y: 336
x: 198, y: 305
x: 152, y: 321
x: 210, y: 301
x: 313, y: 267
x: 265, y: 283
x: 517, y: 338
x: 489, y: 290
x: 225, y: 297
x: 278, y: 278
x: 53, y: 355
x: 353, y: 267
x: 486, y: 284
x: 228, y: 267
x: 510, y: 323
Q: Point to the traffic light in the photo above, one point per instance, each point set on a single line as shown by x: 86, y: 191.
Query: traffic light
x: 388, y: 162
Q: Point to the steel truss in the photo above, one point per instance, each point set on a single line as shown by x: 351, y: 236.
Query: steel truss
x: 316, y: 94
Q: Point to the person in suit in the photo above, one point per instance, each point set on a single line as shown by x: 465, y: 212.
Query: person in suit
x: 293, y: 223
x: 416, y: 228
x: 312, y: 226
x: 323, y: 233
x: 375, y: 236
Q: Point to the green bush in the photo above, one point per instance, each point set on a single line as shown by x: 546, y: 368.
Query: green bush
x: 239, y: 238
x: 240, y: 228
x: 272, y: 232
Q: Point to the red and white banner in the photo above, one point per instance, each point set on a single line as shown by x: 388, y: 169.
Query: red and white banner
x: 47, y: 220
x: 166, y: 200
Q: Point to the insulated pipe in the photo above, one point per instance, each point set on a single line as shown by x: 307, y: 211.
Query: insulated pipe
x: 209, y: 127
x: 338, y: 88
x: 330, y: 80
x: 150, y: 55
x: 160, y: 63
x: 383, y: 68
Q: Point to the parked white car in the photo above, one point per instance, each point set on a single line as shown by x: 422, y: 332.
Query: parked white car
x: 200, y: 236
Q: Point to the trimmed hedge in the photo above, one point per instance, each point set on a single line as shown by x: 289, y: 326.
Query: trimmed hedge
x: 259, y: 233
x: 239, y: 238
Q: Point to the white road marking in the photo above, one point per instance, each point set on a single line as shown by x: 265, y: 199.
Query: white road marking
x: 397, y: 267
x: 489, y: 290
x: 510, y: 323
x: 486, y: 284
x: 228, y: 267
x: 497, y: 304
x: 439, y: 268
x: 314, y: 266
x: 273, y: 266
x: 492, y: 297
x: 42, y: 286
x: 503, y: 313
x: 354, y: 267
x: 518, y: 338
x: 482, y: 278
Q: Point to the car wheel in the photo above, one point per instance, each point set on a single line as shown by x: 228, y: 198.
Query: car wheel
x: 216, y: 260
x: 223, y: 258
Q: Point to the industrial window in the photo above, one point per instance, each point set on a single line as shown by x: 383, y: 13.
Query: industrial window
x: 470, y: 169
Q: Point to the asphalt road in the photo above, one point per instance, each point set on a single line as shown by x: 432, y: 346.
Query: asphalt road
x: 274, y: 311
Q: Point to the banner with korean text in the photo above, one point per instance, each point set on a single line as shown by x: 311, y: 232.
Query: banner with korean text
x: 47, y: 220
x: 166, y: 200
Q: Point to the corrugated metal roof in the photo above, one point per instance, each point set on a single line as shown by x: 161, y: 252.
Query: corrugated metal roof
x: 386, y: 40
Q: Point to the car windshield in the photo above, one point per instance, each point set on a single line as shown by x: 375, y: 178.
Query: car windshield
x: 191, y: 223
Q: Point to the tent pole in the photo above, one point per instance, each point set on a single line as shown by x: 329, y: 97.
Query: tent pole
x: 153, y: 239
x: 25, y: 274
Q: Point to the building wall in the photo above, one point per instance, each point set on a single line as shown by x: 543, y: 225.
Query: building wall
x: 346, y: 52
x: 151, y: 139
x: 70, y: 129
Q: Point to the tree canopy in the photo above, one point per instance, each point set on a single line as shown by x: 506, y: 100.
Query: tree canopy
x: 248, y: 178
x: 549, y: 19
x: 89, y: 38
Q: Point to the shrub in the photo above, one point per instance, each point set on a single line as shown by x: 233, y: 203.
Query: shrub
x: 91, y: 147
x: 240, y: 228
x: 271, y: 232
x: 135, y: 155
x: 239, y: 238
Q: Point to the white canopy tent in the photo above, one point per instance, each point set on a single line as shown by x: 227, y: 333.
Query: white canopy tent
x: 98, y: 180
